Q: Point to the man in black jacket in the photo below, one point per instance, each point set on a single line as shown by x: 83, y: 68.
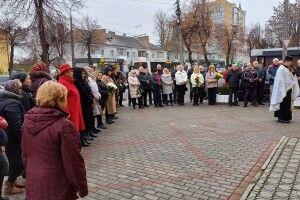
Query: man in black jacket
x: 233, y: 79
x: 250, y: 78
x: 145, y: 84
x: 261, y: 81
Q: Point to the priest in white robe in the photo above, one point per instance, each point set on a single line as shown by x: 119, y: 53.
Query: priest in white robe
x: 285, y: 91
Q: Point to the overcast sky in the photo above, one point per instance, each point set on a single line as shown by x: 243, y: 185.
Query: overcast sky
x: 135, y: 17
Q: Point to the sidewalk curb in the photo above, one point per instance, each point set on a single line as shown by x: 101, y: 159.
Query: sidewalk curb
x: 262, y: 169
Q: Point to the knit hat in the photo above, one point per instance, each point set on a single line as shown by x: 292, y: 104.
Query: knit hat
x: 288, y: 58
x: 63, y: 68
x: 39, y: 67
x: 21, y: 76
x: 13, y: 86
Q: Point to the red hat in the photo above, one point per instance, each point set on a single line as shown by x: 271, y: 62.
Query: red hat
x: 38, y: 67
x: 63, y: 68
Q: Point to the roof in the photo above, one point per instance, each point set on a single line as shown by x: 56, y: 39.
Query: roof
x: 293, y: 51
x: 129, y: 42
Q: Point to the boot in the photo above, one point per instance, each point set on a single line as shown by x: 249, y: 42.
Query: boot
x: 11, y: 189
x: 88, y: 137
x: 95, y: 130
x: 93, y: 135
x: 83, y: 142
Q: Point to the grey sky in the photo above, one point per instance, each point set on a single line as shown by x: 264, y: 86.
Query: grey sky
x: 135, y: 17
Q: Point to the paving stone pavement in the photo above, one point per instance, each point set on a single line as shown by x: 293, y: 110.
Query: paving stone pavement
x: 205, y: 152
x: 281, y: 178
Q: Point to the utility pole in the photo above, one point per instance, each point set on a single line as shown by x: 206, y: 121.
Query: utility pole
x: 285, y: 28
x: 179, y: 23
x: 71, y: 32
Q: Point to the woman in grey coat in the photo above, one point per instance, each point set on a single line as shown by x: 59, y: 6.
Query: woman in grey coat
x: 167, y: 86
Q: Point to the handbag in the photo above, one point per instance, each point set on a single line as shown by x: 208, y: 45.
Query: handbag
x: 3, y: 123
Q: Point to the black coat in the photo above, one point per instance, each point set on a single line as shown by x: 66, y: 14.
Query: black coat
x: 12, y: 110
x: 3, y: 137
x: 86, y: 97
x: 27, y: 100
x: 233, y: 78
x: 104, y: 93
x: 250, y: 78
x: 144, y: 81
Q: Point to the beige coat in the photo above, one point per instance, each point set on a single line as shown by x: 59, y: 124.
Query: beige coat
x: 211, y: 82
x: 111, y: 101
x: 167, y: 83
x: 134, y: 84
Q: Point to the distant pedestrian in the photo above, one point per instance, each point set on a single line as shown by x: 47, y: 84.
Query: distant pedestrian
x: 51, y: 149
x: 285, y: 91
x: 197, y: 82
x: 271, y: 73
x: 181, y: 81
x: 167, y: 87
x: 212, y: 85
x: 250, y: 77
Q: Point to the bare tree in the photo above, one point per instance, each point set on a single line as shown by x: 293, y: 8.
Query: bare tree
x: 90, y: 35
x: 161, y: 21
x: 37, y: 11
x: 255, y: 39
x: 16, y: 35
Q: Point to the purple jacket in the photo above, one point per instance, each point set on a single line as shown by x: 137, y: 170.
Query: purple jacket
x: 51, y: 155
x: 38, y: 79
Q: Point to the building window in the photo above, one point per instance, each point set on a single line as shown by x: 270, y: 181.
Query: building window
x: 120, y: 51
x: 112, y: 53
x: 153, y: 55
x: 102, y: 52
x: 134, y: 54
x: 176, y: 56
x: 142, y: 54
x: 128, y: 54
x: 160, y: 55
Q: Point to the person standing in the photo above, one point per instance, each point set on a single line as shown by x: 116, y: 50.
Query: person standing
x: 285, y: 91
x: 261, y: 82
x: 111, y: 108
x: 233, y: 80
x: 120, y: 78
x: 271, y: 73
x: 156, y: 88
x: 189, y: 74
x: 250, y: 78
x: 51, y: 148
x: 148, y: 90
x: 197, y: 82
x: 26, y: 97
x: 144, y: 85
x: 73, y: 97
x: 181, y: 80
x: 212, y: 85
x: 12, y: 110
x: 104, y: 96
x: 134, y: 87
x: 3, y: 158
x: 167, y: 87
x: 39, y: 74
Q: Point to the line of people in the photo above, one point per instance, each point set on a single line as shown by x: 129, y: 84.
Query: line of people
x: 47, y: 120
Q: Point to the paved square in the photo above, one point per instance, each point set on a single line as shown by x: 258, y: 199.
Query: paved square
x: 205, y: 152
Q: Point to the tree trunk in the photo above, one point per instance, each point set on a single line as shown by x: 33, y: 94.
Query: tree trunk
x: 11, y: 58
x: 89, y: 54
x: 42, y: 33
x: 190, y: 55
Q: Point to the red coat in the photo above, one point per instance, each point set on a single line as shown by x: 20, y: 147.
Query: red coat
x: 51, y: 156
x: 73, y: 105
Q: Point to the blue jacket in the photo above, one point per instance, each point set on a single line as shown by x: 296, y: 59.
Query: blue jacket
x: 271, y: 73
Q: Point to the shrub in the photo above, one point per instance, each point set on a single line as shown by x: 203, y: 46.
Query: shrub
x: 224, y: 90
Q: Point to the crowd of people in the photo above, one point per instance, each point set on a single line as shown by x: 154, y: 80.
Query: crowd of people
x: 45, y: 120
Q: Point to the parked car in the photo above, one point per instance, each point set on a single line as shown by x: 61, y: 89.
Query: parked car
x: 3, y: 79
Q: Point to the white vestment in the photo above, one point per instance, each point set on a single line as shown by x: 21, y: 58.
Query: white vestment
x: 284, y: 81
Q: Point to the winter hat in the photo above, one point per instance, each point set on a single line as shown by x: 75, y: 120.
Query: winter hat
x: 39, y: 67
x: 13, y: 86
x: 63, y: 68
x: 288, y: 58
x: 21, y: 76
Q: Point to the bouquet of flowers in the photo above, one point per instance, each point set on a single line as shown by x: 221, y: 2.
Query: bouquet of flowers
x: 218, y: 76
x: 197, y: 81
x: 111, y: 87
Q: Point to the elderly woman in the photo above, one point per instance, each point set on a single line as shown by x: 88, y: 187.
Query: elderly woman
x: 26, y: 97
x: 3, y: 158
x: 181, y: 80
x: 212, y: 85
x: 134, y: 85
x: 12, y: 110
x: 111, y: 107
x: 51, y: 149
x: 197, y: 82
x: 167, y: 86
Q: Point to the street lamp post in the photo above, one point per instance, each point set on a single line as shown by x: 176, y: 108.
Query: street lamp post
x: 285, y: 28
x: 71, y: 32
x: 178, y: 13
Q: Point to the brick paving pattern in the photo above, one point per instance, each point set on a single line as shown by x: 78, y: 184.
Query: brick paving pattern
x: 205, y: 152
x: 281, y: 178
